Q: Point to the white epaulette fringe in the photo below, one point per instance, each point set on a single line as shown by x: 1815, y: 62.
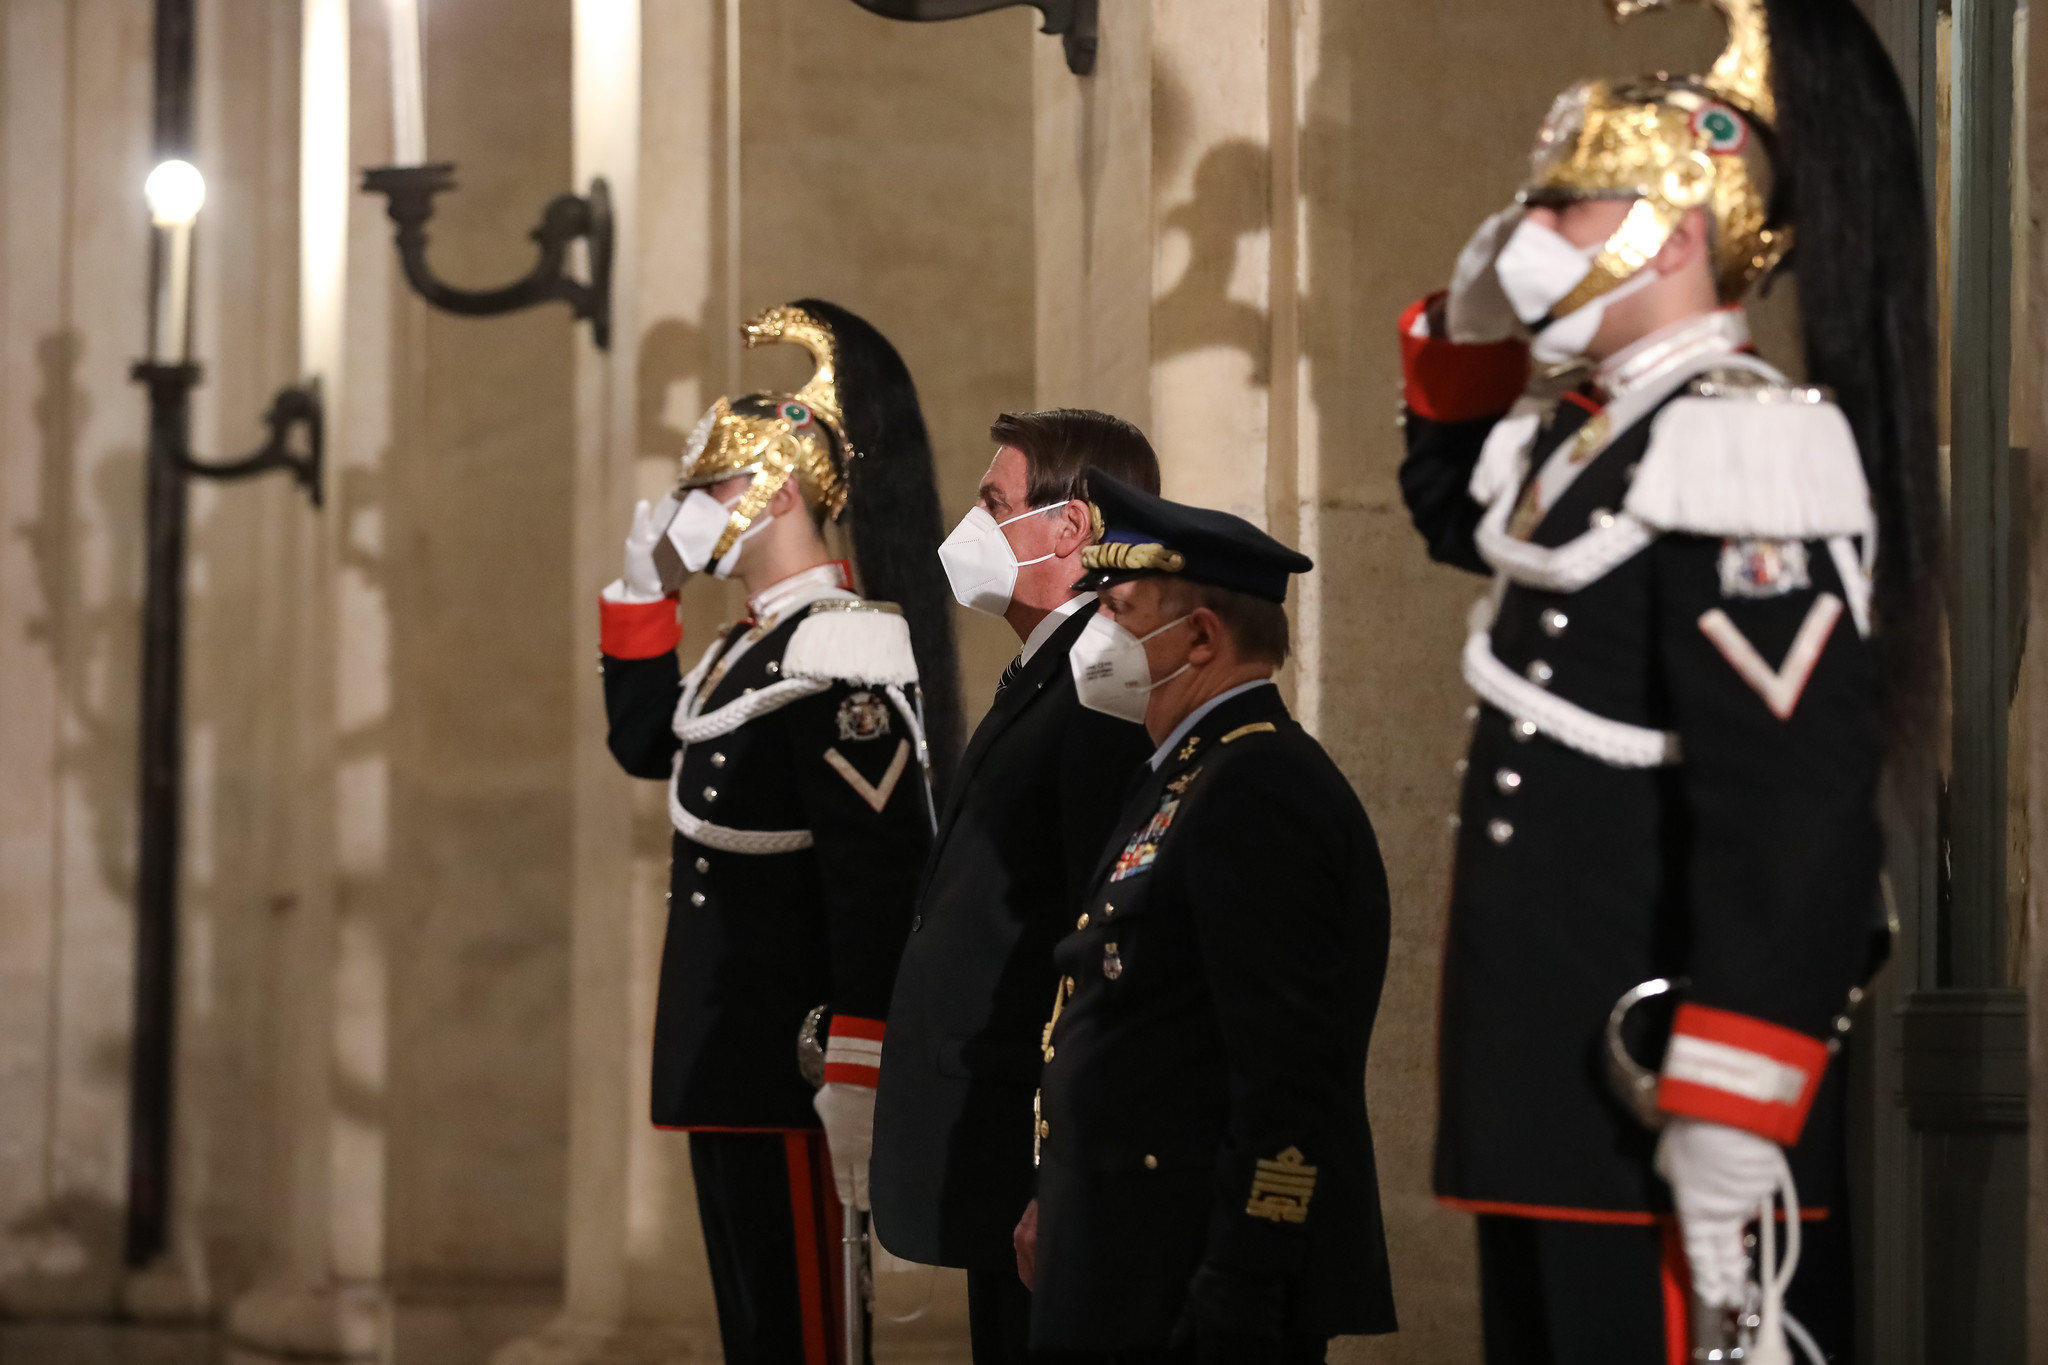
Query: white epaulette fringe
x: 867, y: 643
x: 1504, y: 457
x: 1778, y: 463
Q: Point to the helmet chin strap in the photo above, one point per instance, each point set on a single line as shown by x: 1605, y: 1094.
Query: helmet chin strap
x: 748, y: 510
x: 1639, y: 240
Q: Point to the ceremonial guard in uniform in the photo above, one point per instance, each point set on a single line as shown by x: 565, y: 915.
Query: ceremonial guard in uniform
x: 1025, y: 818
x: 1206, y: 1186
x: 796, y: 754
x: 1713, y: 603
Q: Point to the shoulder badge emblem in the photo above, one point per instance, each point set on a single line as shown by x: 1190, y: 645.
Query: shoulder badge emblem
x: 1763, y: 568
x: 863, y: 716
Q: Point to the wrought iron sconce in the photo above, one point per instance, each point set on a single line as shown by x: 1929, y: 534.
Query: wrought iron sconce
x: 409, y: 192
x: 295, y: 408
x: 1075, y: 21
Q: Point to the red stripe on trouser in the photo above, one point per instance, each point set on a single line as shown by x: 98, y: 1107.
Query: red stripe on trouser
x: 810, y: 1283
x: 1677, y: 1277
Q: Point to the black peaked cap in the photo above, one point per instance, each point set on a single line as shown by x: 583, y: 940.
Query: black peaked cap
x: 1145, y: 535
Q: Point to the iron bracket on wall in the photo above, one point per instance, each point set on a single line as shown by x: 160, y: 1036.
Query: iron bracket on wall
x: 295, y: 408
x: 1073, y: 20
x: 409, y: 193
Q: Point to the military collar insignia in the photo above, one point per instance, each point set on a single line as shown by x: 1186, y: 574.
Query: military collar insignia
x: 1187, y: 750
x: 1180, y: 784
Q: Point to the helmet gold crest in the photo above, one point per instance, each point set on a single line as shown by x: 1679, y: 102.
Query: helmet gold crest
x: 776, y: 436
x: 1671, y: 145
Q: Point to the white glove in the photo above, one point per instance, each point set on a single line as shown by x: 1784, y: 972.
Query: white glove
x: 642, y: 581
x: 1720, y: 1178
x: 1478, y: 312
x: 848, y: 1113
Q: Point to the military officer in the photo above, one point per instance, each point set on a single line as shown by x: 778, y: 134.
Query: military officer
x: 796, y: 756
x: 1027, y: 812
x: 1713, y: 598
x: 1206, y: 1186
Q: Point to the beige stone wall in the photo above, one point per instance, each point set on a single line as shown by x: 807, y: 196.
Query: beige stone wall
x: 424, y: 909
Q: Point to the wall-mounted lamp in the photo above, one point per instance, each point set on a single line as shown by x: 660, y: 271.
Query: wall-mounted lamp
x: 176, y: 192
x: 1074, y: 21
x: 409, y: 187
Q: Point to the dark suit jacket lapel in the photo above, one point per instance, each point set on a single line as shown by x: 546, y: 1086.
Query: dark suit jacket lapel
x: 1045, y: 668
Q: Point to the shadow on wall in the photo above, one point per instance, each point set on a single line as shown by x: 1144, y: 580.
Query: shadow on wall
x: 93, y: 647
x: 64, y: 1253
x: 1233, y: 189
x: 672, y: 352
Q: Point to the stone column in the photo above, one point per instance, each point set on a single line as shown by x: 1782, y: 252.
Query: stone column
x: 422, y: 1055
x: 649, y: 118
x: 74, y: 147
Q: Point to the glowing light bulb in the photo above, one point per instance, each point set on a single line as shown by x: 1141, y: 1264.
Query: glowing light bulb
x: 175, y: 191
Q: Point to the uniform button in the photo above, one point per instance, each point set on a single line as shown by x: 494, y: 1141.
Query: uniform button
x: 1081, y: 923
x: 1151, y: 1162
x: 711, y: 793
x: 774, y: 668
x: 1500, y: 831
x: 1471, y: 713
x: 746, y: 691
x: 1460, y: 766
x: 1553, y: 622
x: 1541, y: 673
x: 703, y: 865
x: 1044, y: 1128
x: 1524, y: 730
x: 1455, y: 822
x: 1107, y: 909
x: 697, y: 899
x: 916, y: 923
x: 718, y: 760
x: 1508, y: 780
x: 1602, y: 519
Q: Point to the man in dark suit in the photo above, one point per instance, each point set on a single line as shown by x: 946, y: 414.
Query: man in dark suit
x: 1206, y: 1185
x: 1030, y: 805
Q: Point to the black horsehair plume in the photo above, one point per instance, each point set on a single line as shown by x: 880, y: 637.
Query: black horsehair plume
x: 893, y: 514
x: 1848, y: 169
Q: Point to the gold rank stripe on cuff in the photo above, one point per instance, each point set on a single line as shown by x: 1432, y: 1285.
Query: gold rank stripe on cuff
x: 1282, y: 1188
x: 1262, y: 727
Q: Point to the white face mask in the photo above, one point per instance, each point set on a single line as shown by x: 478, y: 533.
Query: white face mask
x: 979, y: 562
x: 1538, y: 268
x: 695, y: 532
x: 1111, y: 674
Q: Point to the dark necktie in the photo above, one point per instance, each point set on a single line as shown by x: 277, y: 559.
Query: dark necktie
x: 1010, y: 675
